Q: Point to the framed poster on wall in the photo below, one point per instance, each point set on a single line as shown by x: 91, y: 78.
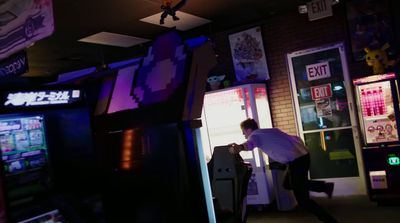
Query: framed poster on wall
x: 23, y: 22
x: 248, y: 55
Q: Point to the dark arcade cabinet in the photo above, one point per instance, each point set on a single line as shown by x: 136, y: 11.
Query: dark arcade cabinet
x: 145, y: 127
x: 229, y: 176
x: 47, y: 154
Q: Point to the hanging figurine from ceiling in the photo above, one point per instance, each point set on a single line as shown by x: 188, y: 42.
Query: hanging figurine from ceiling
x: 168, y: 9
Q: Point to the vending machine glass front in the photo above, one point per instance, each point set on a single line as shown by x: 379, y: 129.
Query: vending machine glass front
x: 377, y: 112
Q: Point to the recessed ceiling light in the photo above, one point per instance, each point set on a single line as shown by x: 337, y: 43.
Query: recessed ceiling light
x: 186, y: 21
x: 113, y: 39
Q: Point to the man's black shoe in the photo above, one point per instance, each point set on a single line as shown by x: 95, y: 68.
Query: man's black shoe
x: 329, y: 189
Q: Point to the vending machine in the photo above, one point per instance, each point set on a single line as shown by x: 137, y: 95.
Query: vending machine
x: 223, y: 111
x: 378, y: 107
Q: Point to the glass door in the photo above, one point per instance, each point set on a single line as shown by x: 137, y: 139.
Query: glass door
x: 325, y: 117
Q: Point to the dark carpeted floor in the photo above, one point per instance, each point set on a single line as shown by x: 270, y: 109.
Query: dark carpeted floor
x: 349, y: 209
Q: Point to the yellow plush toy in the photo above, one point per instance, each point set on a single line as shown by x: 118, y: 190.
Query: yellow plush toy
x: 378, y: 59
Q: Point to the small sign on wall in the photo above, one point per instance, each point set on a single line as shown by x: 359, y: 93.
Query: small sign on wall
x: 14, y: 65
x: 323, y: 107
x: 318, y: 9
x: 318, y: 71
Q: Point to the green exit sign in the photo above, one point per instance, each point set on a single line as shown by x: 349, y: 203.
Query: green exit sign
x: 393, y: 160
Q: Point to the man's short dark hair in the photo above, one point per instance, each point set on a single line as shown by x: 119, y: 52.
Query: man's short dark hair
x: 249, y: 124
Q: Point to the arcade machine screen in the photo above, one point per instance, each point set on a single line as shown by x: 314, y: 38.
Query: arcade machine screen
x: 24, y: 154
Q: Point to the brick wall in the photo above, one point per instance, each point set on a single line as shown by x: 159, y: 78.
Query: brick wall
x: 282, y: 35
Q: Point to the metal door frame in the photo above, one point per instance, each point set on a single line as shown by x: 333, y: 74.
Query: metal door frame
x: 360, y: 186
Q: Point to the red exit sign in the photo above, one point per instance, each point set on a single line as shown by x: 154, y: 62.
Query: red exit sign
x: 321, y: 91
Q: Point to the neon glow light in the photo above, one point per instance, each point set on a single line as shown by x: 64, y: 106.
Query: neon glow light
x: 33, y: 98
x: 393, y: 160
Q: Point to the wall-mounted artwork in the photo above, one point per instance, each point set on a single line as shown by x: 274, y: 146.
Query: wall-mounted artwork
x: 369, y: 23
x: 248, y: 55
x: 22, y: 23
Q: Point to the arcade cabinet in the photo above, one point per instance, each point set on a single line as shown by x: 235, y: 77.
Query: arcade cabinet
x: 229, y: 176
x: 145, y: 127
x: 46, y: 150
x: 378, y: 109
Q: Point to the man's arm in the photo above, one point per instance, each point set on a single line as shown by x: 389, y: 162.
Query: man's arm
x: 236, y: 148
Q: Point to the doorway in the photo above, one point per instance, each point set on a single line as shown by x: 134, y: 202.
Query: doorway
x: 326, y: 120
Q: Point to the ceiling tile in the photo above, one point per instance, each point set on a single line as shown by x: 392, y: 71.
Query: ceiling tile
x: 113, y: 39
x: 186, y: 21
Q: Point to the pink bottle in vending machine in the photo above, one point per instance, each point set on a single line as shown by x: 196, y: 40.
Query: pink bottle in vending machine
x: 375, y: 102
x: 368, y: 101
x: 364, y: 106
x: 381, y: 102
